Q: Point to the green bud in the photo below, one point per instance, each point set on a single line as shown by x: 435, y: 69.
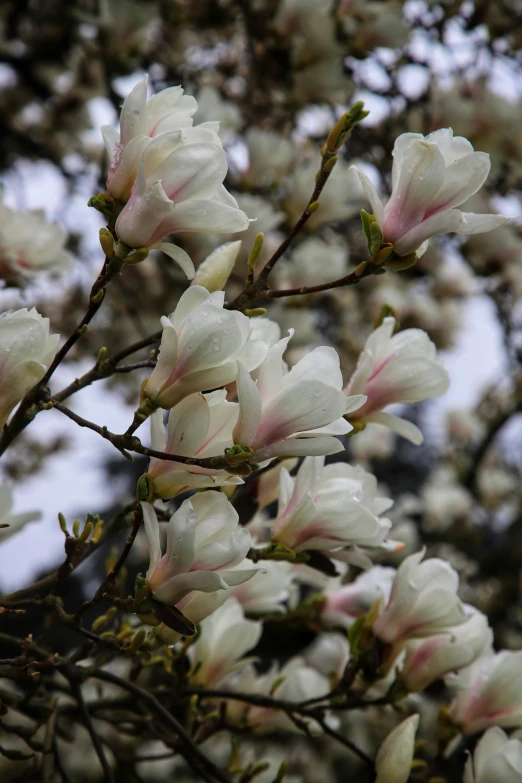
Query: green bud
x: 145, y: 488
x: 102, y: 353
x: 96, y: 299
x: 255, y: 251
x: 62, y: 522
x: 255, y: 312
x: 86, y: 532
x: 360, y: 269
x: 313, y: 207
x: 102, y: 202
x: 121, y: 250
x: 237, y: 454
x: 138, y: 256
x: 344, y: 126
x: 400, y: 263
x: 138, y: 640
x: 76, y: 528
x: 107, y: 242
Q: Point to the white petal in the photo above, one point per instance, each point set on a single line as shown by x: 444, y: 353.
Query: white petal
x: 321, y: 364
x: 133, y: 119
x: 354, y: 402
x: 151, y: 526
x: 405, y: 429
x: 444, y: 222
x: 401, y: 152
x: 372, y: 195
x: 180, y: 256
x: 207, y: 216
x: 189, y: 300
x: 193, y: 171
x: 300, y: 447
x: 249, y: 409
x: 462, y: 179
x: 478, y: 224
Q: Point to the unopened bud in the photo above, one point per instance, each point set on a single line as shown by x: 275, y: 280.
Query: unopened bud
x: 107, y: 242
x: 102, y: 202
x: 215, y: 270
x: 86, y: 532
x: 138, y: 256
x: 313, y: 207
x: 345, y: 125
x: 399, y: 264
x: 394, y: 759
x: 255, y: 251
x: 63, y: 523
x: 138, y: 640
x: 76, y: 528
x: 254, y: 312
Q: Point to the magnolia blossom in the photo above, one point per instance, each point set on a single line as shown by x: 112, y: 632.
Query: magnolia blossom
x: 268, y: 589
x: 215, y: 270
x: 11, y: 523
x: 204, y: 546
x: 329, y: 654
x: 423, y: 601
x: 330, y: 508
x: 496, y: 758
x: 395, y: 756
x: 224, y: 639
x: 396, y: 368
x: 293, y: 413
x: 26, y: 351
x: 29, y: 244
x: 430, y: 177
x: 142, y: 120
x: 270, y: 156
x: 201, y: 345
x: 436, y: 656
x: 200, y: 426
x: 345, y: 603
x: 179, y: 188
x: 489, y: 693
x: 294, y: 682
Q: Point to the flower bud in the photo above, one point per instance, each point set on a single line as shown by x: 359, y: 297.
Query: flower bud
x: 393, y: 764
x: 496, y: 758
x: 215, y: 270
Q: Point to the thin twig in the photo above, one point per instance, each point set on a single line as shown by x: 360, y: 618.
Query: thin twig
x: 77, y: 693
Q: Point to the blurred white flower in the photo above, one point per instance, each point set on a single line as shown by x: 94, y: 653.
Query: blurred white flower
x: 29, y: 244
x: 328, y: 508
x: 11, y: 523
x: 266, y: 592
x: 395, y: 756
x: 224, y: 639
x: 496, y: 758
x: 436, y: 656
x: 489, y: 693
x: 430, y: 177
x: 345, y: 603
x: 445, y: 500
x: 204, y: 547
x: 212, y: 107
x: 423, y: 601
x: 200, y: 348
x: 329, y: 654
x: 270, y: 156
x: 199, y: 426
x: 26, y: 351
x: 294, y: 413
x: 396, y: 368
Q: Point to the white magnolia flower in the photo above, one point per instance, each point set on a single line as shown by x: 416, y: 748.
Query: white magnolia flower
x: 430, y: 177
x: 270, y: 156
x: 204, y: 546
x: 396, y: 368
x: 212, y: 107
x: 436, y: 656
x: 328, y: 508
x: 224, y: 639
x: 294, y: 413
x: 200, y: 348
x: 29, y: 244
x: 294, y: 682
x: 200, y: 426
x: 268, y: 589
x: 489, y: 693
x: 313, y: 262
x: 423, y: 601
x: 11, y: 523
x: 179, y: 188
x: 395, y: 756
x: 26, y: 351
x: 215, y: 270
x: 496, y: 758
x: 329, y: 654
x: 345, y: 603
x: 141, y: 121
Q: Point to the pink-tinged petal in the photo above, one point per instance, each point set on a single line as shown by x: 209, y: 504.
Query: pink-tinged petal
x: 111, y: 140
x: 124, y: 167
x: 406, y: 429
x: 202, y: 380
x: 169, y: 108
x: 371, y: 194
x: 354, y: 402
x: 180, y: 256
x: 444, y: 222
x: 452, y: 147
x: 202, y: 215
x: 151, y: 526
x: 462, y: 180
x: 223, y: 418
x: 306, y: 405
x: 286, y: 490
x: 250, y: 411
x: 193, y: 171
x: 420, y: 180
x: 208, y: 337
x: 133, y: 120
x: 138, y: 222
x: 400, y: 153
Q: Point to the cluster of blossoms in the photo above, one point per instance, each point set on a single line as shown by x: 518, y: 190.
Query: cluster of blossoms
x: 235, y: 405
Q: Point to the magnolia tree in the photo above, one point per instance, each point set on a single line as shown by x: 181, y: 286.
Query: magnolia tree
x: 295, y: 567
